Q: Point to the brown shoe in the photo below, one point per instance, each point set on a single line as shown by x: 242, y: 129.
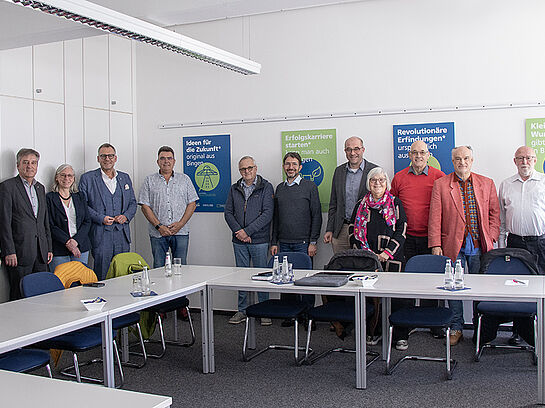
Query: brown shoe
x: 455, y: 337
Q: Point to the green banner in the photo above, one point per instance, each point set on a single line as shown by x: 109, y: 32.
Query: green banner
x: 318, y: 150
x: 535, y: 137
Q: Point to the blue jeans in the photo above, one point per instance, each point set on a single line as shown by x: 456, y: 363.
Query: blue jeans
x: 296, y: 247
x: 473, y: 264
x: 178, y: 245
x: 257, y: 254
x: 57, y: 260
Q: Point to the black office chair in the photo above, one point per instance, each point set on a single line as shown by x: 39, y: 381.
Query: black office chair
x: 25, y: 360
x: 507, y: 261
x: 77, y: 341
x: 423, y: 317
x: 339, y: 309
x: 279, y: 309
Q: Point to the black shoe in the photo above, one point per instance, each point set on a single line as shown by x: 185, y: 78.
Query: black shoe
x: 437, y: 333
x: 287, y: 323
x: 514, y: 340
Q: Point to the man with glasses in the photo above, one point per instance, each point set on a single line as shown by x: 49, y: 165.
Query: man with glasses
x: 168, y: 200
x: 25, y: 237
x: 522, y: 207
x: 248, y: 212
x: 112, y: 205
x: 347, y: 188
x: 464, y: 221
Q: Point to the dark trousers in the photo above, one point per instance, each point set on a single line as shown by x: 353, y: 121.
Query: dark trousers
x: 534, y: 246
x: 489, y: 328
x: 16, y: 274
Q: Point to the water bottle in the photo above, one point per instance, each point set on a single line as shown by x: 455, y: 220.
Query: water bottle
x: 459, y: 275
x: 285, y: 270
x: 290, y: 272
x: 168, y: 264
x: 276, y: 270
x: 146, y: 283
x: 449, y: 281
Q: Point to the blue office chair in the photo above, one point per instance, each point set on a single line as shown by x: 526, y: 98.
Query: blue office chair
x: 25, y: 360
x: 342, y: 310
x: 506, y: 311
x: 279, y: 309
x: 423, y: 317
x: 77, y: 341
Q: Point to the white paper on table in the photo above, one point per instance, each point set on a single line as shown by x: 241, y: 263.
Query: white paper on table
x: 365, y: 281
x: 517, y: 282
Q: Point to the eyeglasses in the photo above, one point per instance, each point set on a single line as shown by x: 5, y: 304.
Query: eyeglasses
x: 355, y: 149
x: 419, y: 152
x: 166, y: 159
x: 377, y: 180
x: 107, y: 156
x: 527, y: 158
x: 66, y: 175
x: 245, y: 169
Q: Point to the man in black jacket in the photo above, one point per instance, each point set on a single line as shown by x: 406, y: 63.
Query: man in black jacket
x: 347, y: 188
x: 248, y: 212
x: 25, y: 237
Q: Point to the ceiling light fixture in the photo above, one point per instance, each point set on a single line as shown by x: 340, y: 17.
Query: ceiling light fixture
x: 111, y: 21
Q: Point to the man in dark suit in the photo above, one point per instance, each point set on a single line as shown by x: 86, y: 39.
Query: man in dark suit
x: 112, y: 205
x: 25, y: 238
x: 347, y: 188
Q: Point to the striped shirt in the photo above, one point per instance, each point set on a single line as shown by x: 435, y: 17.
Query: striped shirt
x: 470, y: 210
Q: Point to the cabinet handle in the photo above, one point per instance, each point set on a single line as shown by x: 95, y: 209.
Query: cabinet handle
x: 114, y: 102
x: 38, y: 90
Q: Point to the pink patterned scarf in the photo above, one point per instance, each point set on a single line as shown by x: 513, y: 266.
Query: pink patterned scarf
x: 386, y: 207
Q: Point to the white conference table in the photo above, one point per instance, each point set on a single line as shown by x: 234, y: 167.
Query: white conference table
x: 240, y: 279
x: 120, y: 302
x: 45, y: 391
x: 481, y: 288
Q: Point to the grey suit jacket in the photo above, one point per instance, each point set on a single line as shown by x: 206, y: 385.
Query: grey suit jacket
x: 337, y: 201
x: 22, y: 233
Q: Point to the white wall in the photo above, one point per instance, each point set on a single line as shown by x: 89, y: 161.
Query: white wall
x: 373, y: 55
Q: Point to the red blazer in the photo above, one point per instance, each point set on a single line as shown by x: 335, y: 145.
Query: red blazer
x: 446, y: 223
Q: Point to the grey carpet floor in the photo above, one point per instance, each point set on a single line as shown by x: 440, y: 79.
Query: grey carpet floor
x: 501, y: 379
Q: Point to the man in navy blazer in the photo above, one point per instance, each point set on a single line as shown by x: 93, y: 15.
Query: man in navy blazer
x: 112, y: 205
x: 25, y: 237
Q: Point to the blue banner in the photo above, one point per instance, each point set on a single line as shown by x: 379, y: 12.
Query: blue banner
x: 207, y: 162
x: 438, y: 136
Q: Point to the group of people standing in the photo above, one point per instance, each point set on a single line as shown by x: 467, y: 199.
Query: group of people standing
x: 421, y: 211
x: 41, y: 231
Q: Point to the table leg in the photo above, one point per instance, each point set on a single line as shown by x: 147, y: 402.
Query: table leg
x: 540, y: 348
x: 252, y: 296
x: 361, y: 345
x: 386, y: 311
x: 108, y: 352
x: 205, y: 336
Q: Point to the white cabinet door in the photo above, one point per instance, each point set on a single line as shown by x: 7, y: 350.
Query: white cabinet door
x: 75, y: 146
x: 49, y: 72
x: 16, y: 72
x: 95, y: 72
x: 96, y: 131
x: 15, y: 132
x: 73, y: 73
x: 121, y: 138
x: 120, y: 74
x: 49, y: 136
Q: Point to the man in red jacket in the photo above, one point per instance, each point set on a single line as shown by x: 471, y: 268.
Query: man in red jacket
x: 464, y: 221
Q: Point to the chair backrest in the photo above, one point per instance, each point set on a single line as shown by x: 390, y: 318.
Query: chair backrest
x: 426, y: 264
x: 73, y: 273
x: 299, y: 260
x: 39, y: 283
x: 125, y: 263
x: 354, y: 260
x: 508, y: 265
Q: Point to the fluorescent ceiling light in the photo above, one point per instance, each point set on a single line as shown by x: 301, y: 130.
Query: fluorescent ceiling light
x: 105, y: 19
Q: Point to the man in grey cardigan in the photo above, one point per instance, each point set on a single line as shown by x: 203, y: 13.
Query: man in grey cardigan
x: 347, y: 187
x: 248, y: 212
